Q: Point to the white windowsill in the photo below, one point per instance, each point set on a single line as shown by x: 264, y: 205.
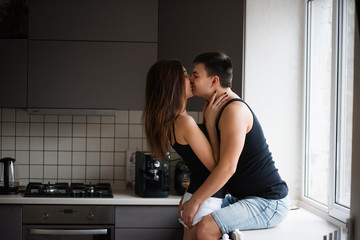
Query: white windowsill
x: 300, y: 224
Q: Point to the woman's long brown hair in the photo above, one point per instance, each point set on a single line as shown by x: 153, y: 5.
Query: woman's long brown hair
x: 164, y: 100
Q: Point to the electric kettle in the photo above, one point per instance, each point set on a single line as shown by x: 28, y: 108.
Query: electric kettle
x: 8, y: 182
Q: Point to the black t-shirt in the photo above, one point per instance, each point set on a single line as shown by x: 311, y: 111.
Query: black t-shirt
x: 256, y: 174
x: 199, y: 172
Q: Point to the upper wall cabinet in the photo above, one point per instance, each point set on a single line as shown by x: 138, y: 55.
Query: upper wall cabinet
x: 94, y: 20
x: 90, y: 54
x: 13, y: 72
x: 95, y: 75
x: 188, y: 28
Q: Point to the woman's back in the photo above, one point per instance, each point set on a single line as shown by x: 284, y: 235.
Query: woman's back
x: 199, y: 172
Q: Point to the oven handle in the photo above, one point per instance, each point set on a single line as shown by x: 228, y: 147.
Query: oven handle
x: 69, y: 232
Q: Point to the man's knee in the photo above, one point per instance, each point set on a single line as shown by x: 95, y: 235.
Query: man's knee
x: 207, y: 228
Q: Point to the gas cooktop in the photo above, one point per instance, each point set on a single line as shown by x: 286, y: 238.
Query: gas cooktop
x: 73, y: 190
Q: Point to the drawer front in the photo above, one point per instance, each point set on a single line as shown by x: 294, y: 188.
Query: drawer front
x: 147, y: 217
x: 151, y: 234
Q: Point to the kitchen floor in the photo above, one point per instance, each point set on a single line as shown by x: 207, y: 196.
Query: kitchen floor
x: 300, y: 224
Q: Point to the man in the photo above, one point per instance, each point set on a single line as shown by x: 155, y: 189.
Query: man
x: 258, y: 195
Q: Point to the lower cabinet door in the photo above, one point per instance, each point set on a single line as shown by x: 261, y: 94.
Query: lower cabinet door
x: 151, y: 234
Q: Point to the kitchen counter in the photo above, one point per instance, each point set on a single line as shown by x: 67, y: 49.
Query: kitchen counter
x: 120, y: 198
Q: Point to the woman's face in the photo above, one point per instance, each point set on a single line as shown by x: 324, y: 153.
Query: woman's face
x: 188, y: 90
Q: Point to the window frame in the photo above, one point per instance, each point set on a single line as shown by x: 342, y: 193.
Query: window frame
x: 333, y: 210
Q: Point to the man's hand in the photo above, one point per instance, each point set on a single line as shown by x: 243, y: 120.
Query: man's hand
x: 189, y: 209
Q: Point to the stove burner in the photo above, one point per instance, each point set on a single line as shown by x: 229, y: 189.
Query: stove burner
x: 75, y: 190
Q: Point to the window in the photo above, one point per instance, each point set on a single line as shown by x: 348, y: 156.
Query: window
x: 329, y: 97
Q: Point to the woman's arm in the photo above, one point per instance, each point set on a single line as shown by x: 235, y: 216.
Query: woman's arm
x: 211, y: 114
x: 190, y: 133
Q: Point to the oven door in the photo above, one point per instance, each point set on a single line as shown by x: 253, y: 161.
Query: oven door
x: 68, y: 232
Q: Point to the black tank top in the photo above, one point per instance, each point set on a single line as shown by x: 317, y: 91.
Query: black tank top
x: 199, y: 172
x: 256, y: 174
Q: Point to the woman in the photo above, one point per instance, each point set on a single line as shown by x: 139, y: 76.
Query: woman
x: 166, y: 121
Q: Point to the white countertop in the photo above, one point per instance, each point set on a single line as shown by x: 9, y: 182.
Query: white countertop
x: 120, y: 198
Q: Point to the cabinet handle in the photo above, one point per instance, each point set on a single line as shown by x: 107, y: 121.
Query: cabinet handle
x: 69, y: 232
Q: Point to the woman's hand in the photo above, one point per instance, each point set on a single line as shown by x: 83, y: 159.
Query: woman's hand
x: 180, y: 206
x: 213, y: 107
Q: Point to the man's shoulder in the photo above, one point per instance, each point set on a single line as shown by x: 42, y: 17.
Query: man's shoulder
x: 236, y: 111
x: 235, y: 107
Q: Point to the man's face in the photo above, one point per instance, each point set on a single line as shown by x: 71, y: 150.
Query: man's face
x: 200, y: 82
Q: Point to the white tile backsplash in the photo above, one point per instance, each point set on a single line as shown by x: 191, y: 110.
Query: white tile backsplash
x: 8, y: 143
x: 93, y: 144
x: 79, y: 144
x: 51, y: 129
x: 22, y: 158
x: 92, y: 172
x: 36, y: 157
x: 36, y: 118
x: 64, y: 172
x: 79, y: 130
x: 36, y: 129
x: 93, y: 158
x: 122, y: 117
x: 65, y: 130
x: 64, y: 158
x: 22, y: 143
x: 50, y: 171
x: 21, y: 116
x: 79, y: 158
x: 71, y: 148
x: 36, y: 171
x: 51, y: 157
x: 121, y: 131
x: 65, y: 144
x: 107, y: 119
x: 22, y: 129
x: 8, y: 115
x: 107, y: 144
x: 107, y: 158
x: 93, y: 119
x: 36, y: 143
x: 106, y: 173
x: 79, y: 119
x: 93, y: 130
x: 78, y: 172
x: 51, y: 118
x: 8, y: 129
x: 108, y: 130
x: 50, y: 143
x: 135, y: 117
x: 135, y: 131
x: 65, y: 119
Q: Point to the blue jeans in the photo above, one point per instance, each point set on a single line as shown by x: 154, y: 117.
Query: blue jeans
x: 250, y: 213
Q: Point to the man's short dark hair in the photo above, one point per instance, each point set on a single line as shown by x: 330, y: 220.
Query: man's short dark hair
x: 217, y: 64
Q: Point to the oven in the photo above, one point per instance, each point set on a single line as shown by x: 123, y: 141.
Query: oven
x: 68, y: 222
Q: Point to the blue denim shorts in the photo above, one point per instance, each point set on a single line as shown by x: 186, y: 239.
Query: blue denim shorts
x: 250, y: 213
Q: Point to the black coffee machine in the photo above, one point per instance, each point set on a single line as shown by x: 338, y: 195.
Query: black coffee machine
x: 151, y: 175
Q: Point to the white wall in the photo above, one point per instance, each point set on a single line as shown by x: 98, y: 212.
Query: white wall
x: 274, y: 63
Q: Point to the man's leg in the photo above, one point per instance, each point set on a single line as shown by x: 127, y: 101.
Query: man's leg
x: 207, y: 229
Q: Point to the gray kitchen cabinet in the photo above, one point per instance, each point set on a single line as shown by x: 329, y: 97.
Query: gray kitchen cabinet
x: 13, y: 72
x: 147, y: 222
x: 90, y: 75
x: 10, y: 222
x: 93, y: 20
x: 188, y: 28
